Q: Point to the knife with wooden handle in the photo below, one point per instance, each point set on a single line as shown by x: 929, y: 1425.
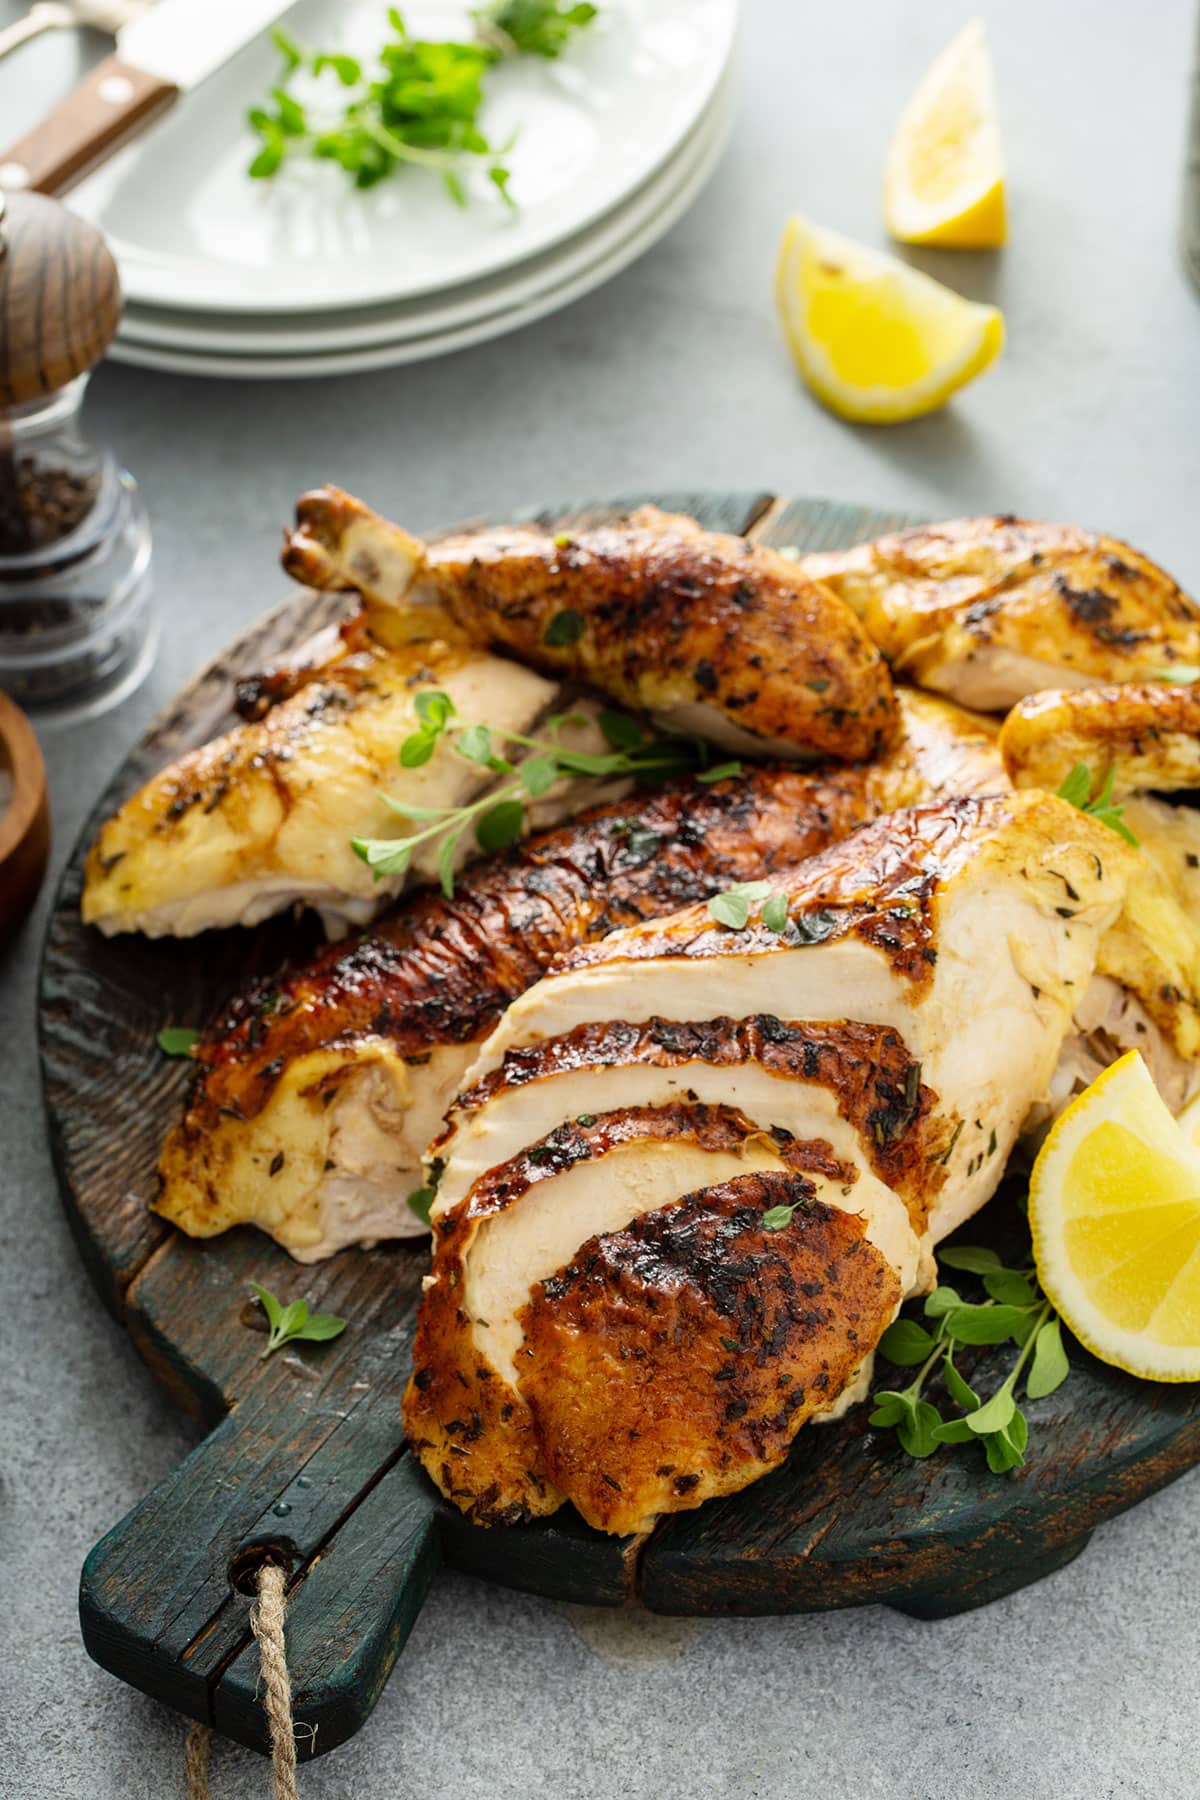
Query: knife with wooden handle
x: 159, y: 55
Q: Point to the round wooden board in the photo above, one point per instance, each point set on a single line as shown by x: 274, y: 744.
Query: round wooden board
x: 306, y: 1452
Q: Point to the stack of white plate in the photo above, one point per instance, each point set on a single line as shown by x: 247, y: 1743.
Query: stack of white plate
x: 306, y: 275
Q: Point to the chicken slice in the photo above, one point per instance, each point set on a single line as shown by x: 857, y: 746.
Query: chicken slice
x: 677, y: 1359
x: 989, y: 610
x: 710, y: 633
x: 262, y: 817
x: 855, y: 1086
x: 317, y: 1093
x: 951, y: 924
x: 524, y: 1222
x: 1143, y: 735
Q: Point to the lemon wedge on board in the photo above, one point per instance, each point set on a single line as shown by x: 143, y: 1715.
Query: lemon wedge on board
x: 944, y: 178
x: 1114, y: 1207
x: 875, y: 340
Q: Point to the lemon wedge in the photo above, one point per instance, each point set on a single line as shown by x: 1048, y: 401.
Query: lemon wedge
x: 876, y: 340
x: 944, y: 179
x: 1114, y: 1207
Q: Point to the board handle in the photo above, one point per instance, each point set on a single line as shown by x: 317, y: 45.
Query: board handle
x: 165, y: 1598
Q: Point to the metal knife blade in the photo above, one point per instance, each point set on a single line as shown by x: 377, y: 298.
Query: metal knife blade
x: 183, y: 41
x: 163, y: 53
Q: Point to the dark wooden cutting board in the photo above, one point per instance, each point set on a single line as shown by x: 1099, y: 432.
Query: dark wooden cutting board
x: 305, y: 1454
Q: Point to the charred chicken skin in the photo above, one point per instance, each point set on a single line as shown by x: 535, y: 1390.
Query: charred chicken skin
x: 989, y: 610
x: 1146, y: 735
x: 708, y: 632
x: 686, y: 1351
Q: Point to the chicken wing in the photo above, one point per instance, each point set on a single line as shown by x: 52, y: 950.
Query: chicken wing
x: 944, y: 928
x: 1142, y: 735
x: 710, y: 633
x: 989, y: 610
x: 316, y: 1094
x: 261, y: 817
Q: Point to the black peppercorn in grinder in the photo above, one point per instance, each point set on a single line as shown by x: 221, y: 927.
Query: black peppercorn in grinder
x: 77, y: 632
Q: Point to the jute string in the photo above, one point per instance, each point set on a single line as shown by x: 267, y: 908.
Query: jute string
x: 266, y: 1622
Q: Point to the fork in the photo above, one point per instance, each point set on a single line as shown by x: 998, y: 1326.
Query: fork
x: 60, y: 15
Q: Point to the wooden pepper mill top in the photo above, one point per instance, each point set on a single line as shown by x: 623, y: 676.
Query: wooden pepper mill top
x: 60, y: 298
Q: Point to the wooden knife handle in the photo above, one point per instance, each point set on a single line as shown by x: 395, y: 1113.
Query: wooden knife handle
x: 98, y: 115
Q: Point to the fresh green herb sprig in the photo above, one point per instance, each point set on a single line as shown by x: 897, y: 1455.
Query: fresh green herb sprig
x: 1077, y: 788
x: 732, y: 906
x: 177, y: 1040
x: 420, y: 1201
x: 294, y: 1322
x: 421, y: 107
x: 1015, y: 1311
x: 498, y: 817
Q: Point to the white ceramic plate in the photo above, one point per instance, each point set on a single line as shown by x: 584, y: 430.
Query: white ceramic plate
x: 406, y: 350
x: 322, y: 333
x: 191, y: 230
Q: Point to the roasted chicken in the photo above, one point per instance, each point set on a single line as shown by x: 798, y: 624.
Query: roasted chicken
x: 710, y: 633
x: 680, y: 1174
x: 317, y: 1094
x: 943, y: 928
x: 990, y: 610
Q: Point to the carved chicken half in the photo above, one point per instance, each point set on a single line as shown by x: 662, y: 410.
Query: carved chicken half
x: 989, y: 610
x: 317, y: 1093
x: 563, y: 1270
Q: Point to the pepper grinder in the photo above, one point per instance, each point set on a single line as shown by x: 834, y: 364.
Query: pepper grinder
x: 77, y: 630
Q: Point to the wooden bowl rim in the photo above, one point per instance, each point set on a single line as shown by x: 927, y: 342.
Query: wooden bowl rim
x: 21, y: 753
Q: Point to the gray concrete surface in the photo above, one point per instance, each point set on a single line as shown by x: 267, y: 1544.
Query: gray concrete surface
x: 1081, y: 1688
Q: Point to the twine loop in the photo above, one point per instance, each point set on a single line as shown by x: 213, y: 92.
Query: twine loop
x: 266, y: 1621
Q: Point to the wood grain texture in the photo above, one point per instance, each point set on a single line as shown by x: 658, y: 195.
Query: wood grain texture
x: 60, y: 298
x: 306, y: 1454
x: 108, y: 106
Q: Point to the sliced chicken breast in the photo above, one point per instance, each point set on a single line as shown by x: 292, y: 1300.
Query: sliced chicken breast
x: 943, y: 932
x: 855, y: 1086
x: 989, y: 610
x: 524, y: 1222
x: 676, y: 1360
x: 710, y: 633
x: 968, y: 927
x: 317, y: 1093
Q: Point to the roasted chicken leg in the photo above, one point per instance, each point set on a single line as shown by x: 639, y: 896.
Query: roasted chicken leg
x: 708, y: 632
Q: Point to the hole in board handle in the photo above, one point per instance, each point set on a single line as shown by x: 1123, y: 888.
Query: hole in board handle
x: 245, y: 1563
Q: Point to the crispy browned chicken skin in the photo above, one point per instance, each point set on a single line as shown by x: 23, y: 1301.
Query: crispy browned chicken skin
x: 712, y: 632
x: 988, y: 610
x: 677, y: 1359
x: 1146, y: 735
